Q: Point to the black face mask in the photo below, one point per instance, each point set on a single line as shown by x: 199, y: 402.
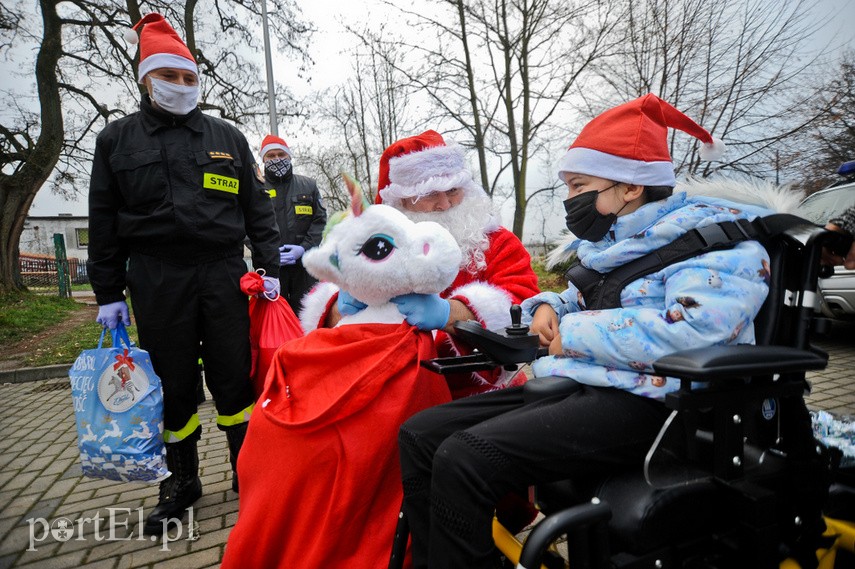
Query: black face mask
x: 584, y: 220
x: 278, y: 168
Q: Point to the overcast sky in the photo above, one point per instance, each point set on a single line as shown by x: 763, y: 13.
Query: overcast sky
x: 330, y: 66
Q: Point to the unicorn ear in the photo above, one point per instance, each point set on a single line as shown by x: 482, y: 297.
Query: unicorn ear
x: 358, y: 203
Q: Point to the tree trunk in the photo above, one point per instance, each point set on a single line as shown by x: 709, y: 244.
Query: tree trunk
x: 17, y: 190
x: 513, y: 140
x: 477, y: 130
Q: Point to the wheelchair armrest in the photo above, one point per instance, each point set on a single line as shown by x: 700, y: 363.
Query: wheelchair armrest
x: 732, y: 362
x: 503, y: 347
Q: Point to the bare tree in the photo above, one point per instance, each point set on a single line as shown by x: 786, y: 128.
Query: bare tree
x: 501, y: 71
x: 85, y: 76
x: 368, y: 112
x: 325, y: 164
x: 740, y: 69
x: 830, y: 141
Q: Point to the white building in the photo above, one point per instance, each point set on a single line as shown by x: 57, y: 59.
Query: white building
x: 37, y: 236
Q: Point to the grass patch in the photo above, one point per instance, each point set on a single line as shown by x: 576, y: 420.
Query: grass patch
x: 25, y: 314
x: 548, y: 280
x: 67, y: 345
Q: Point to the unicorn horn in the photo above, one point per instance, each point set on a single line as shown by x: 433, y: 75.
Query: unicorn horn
x: 358, y: 203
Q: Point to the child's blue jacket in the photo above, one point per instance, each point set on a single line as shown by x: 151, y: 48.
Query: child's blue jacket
x: 707, y: 300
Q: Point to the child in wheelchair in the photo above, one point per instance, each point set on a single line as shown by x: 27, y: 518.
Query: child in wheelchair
x: 602, y: 332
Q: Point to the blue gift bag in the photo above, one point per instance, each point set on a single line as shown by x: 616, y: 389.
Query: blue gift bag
x: 118, y: 403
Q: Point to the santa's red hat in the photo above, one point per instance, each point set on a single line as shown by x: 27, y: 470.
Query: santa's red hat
x: 629, y: 143
x: 420, y: 165
x: 160, y: 46
x: 272, y: 142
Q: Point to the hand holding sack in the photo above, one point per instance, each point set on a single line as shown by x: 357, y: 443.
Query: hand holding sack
x: 424, y: 311
x: 271, y: 324
x: 109, y: 315
x: 118, y: 405
x: 348, y: 305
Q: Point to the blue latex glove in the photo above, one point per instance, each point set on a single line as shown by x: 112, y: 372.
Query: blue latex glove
x: 110, y: 314
x: 271, y: 287
x: 424, y: 311
x: 288, y: 254
x: 347, y: 305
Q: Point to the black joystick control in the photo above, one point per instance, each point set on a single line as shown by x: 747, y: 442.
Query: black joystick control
x: 516, y: 328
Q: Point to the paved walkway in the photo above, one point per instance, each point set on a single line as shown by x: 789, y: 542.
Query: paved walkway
x: 40, y: 479
x: 834, y: 387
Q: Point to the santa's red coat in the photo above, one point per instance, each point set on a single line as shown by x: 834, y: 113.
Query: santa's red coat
x: 320, y: 482
x: 507, y: 279
x: 489, y: 293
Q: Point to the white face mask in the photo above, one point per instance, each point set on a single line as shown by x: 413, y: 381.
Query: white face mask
x: 175, y: 99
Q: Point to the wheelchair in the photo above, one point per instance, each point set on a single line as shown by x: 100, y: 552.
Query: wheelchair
x: 735, y: 478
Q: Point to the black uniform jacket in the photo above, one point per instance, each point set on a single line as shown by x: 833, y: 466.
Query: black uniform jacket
x: 179, y: 188
x: 300, y: 214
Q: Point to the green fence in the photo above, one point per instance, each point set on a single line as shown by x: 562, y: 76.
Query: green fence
x: 53, y: 274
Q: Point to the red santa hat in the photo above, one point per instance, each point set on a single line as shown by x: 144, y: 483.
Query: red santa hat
x: 420, y: 165
x: 629, y: 143
x: 160, y: 46
x: 272, y: 142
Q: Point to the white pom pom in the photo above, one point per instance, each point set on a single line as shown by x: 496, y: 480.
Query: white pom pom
x: 712, y: 151
x: 131, y: 36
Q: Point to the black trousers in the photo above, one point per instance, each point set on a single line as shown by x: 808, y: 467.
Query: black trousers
x: 457, y: 459
x: 295, y: 282
x: 187, y: 311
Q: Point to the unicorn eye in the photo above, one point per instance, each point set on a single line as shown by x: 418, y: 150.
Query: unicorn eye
x: 378, y: 247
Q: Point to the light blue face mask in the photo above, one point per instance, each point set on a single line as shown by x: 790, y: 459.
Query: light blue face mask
x: 174, y: 99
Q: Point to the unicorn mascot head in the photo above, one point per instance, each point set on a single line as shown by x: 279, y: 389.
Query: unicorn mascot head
x: 375, y: 253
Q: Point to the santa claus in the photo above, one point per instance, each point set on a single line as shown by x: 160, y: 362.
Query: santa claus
x: 428, y: 180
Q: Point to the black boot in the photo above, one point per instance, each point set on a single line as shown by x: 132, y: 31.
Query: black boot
x: 180, y: 490
x: 235, y: 436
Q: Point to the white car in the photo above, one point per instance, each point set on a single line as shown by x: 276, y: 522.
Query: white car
x: 838, y: 291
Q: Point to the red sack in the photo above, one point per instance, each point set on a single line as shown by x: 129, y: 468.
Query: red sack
x: 271, y: 324
x: 320, y: 481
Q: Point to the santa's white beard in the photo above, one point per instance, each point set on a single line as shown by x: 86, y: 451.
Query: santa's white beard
x: 469, y: 223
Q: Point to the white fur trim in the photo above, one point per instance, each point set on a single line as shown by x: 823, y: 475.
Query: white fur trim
x: 314, y: 305
x: 413, y: 168
x: 490, y: 303
x: 752, y: 191
x: 274, y: 146
x: 393, y: 194
x: 713, y: 150
x: 378, y: 314
x: 425, y: 186
x: 616, y: 168
x: 436, y: 169
x: 160, y: 60
x: 130, y: 36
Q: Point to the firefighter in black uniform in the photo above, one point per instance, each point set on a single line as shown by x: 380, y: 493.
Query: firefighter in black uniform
x: 172, y: 196
x: 300, y: 215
